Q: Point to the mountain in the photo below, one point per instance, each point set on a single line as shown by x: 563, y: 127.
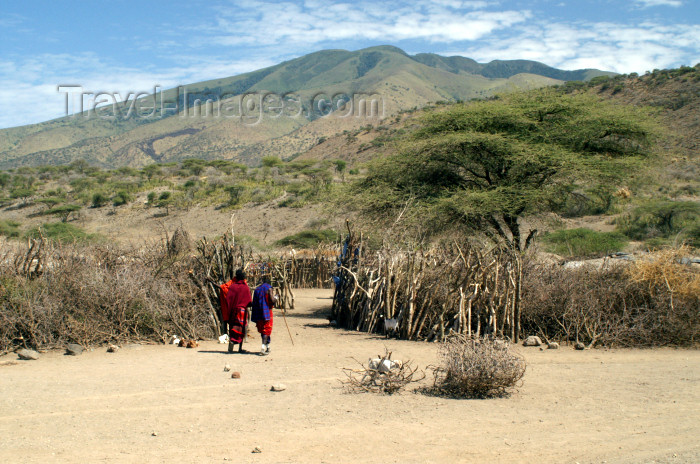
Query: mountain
x: 280, y: 110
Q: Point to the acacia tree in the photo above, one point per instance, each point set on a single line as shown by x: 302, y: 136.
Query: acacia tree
x: 63, y: 211
x: 488, y: 165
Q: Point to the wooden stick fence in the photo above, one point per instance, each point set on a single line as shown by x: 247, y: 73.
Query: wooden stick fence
x: 429, y: 294
x: 217, y: 262
x: 311, y: 268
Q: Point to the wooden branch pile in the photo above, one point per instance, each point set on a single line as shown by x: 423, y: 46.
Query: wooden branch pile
x: 382, y: 375
x: 311, y: 268
x: 429, y: 294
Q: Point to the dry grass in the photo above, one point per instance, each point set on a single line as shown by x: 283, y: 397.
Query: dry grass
x: 473, y: 367
x: 664, y: 271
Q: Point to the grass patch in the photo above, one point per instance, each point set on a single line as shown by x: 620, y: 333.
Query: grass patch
x: 308, y: 238
x: 660, y: 221
x: 9, y: 228
x: 584, y: 242
x: 64, y: 233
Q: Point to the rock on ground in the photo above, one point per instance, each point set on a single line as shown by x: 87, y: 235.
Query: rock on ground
x: 580, y: 346
x: 74, y: 349
x: 28, y: 355
x: 532, y: 340
x: 278, y: 387
x: 553, y: 346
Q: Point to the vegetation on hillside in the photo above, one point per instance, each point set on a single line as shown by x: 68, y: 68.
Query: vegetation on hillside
x: 65, y: 191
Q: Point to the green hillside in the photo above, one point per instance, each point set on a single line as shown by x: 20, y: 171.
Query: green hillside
x: 385, y: 74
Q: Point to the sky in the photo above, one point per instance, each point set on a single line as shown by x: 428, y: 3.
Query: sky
x: 131, y: 46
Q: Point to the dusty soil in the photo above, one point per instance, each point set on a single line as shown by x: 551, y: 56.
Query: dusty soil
x: 170, y: 404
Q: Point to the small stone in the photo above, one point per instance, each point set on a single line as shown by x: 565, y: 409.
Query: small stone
x: 227, y: 367
x: 532, y: 340
x: 541, y: 349
x: 553, y: 346
x: 278, y: 387
x: 28, y: 355
x: 256, y: 450
x: 333, y: 323
x: 236, y: 375
x: 579, y: 346
x: 112, y: 349
x: 74, y: 349
x: 154, y: 434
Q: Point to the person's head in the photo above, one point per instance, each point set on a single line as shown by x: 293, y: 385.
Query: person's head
x: 240, y: 274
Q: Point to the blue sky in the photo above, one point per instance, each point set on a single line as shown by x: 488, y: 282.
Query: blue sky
x: 124, y: 45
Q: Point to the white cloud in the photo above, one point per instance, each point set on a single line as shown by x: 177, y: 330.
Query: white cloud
x: 255, y: 22
x: 650, y: 3
x: 607, y: 46
x: 28, y: 86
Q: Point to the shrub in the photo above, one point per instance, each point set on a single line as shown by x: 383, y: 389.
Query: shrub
x: 63, y: 211
x: 308, y: 238
x: 9, y: 228
x: 99, y: 200
x: 270, y: 161
x: 477, y: 368
x: 151, y: 198
x: 62, y: 232
x: 650, y: 303
x: 236, y: 194
x: 122, y: 198
x: 662, y: 218
x: 584, y: 242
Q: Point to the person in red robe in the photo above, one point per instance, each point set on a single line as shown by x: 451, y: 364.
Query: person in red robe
x: 238, y: 300
x: 223, y: 304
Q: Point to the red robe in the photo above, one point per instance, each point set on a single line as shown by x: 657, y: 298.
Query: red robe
x: 223, y: 303
x: 238, y: 298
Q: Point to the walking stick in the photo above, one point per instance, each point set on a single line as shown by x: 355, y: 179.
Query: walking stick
x: 284, y: 312
x: 284, y: 315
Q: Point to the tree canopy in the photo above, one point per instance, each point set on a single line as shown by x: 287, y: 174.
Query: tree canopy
x: 487, y: 165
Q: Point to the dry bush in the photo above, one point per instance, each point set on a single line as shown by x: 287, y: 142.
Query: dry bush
x: 94, y: 295
x: 472, y: 367
x: 663, y: 271
x: 653, y: 302
x: 382, y: 375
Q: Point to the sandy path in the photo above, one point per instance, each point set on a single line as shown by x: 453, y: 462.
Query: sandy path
x: 626, y: 406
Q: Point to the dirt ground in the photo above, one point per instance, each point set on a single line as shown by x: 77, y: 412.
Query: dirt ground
x: 170, y: 404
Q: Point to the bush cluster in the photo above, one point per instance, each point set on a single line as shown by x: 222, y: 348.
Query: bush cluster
x: 91, y: 295
x: 473, y: 367
x: 653, y: 302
